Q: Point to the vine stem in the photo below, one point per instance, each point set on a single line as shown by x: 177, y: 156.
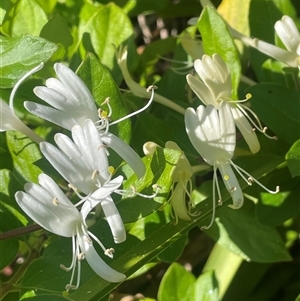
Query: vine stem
x: 19, y: 231
x: 11, y: 285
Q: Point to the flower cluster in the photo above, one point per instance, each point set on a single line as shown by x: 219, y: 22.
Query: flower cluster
x: 211, y: 129
x: 82, y: 161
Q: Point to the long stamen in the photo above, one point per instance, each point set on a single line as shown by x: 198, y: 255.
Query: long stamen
x: 132, y: 192
x: 251, y: 179
x: 98, y: 241
x: 67, y: 269
x: 215, y: 180
x: 20, y: 81
x: 150, y: 88
x: 257, y: 126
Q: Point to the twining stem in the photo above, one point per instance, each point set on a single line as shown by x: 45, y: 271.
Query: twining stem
x: 19, y: 231
x: 12, y: 284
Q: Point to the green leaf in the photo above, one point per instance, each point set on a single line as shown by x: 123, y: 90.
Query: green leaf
x: 47, y: 298
x: 21, y: 54
x: 159, y: 169
x: 217, y: 39
x: 175, y: 284
x: 57, y: 31
x: 105, y: 28
x: 241, y: 233
x: 24, y: 17
x: 44, y: 274
x: 293, y: 159
x: 278, y: 108
x: 9, y: 216
x: 101, y: 84
x: 275, y: 209
x: 205, y: 288
x: 24, y: 153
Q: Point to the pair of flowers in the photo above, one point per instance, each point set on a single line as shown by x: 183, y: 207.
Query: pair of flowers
x: 211, y: 129
x: 82, y: 161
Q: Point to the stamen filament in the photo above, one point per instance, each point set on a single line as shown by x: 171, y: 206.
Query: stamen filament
x: 253, y: 179
x: 152, y: 88
x: 98, y: 241
x: 259, y: 127
x: 215, y: 180
x: 20, y: 81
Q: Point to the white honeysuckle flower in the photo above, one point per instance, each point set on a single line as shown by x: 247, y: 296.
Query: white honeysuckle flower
x: 9, y: 120
x: 215, y: 86
x: 289, y: 34
x: 182, y: 184
x: 71, y: 103
x: 49, y: 207
x: 83, y: 163
x: 212, y: 133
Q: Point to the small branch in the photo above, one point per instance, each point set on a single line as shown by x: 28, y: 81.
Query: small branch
x: 19, y: 232
x: 12, y: 284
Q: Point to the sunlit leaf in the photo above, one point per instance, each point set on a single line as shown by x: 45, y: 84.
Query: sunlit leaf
x: 21, y: 54
x: 293, y: 159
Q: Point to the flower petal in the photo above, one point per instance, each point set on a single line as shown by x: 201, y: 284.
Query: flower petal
x: 53, y: 115
x: 232, y: 185
x: 114, y: 220
x: 75, y: 86
x: 288, y: 33
x: 125, y: 152
x: 246, y: 129
x: 60, y: 220
x: 100, y: 194
x: 97, y: 263
x: 202, y: 92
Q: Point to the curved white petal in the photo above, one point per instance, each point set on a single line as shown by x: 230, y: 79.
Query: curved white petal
x: 52, y: 97
x: 288, y: 33
x: 227, y: 128
x: 203, y: 129
x: 232, y: 185
x: 62, y: 221
x: 246, y: 129
x: 75, y: 86
x: 125, y: 152
x: 201, y: 90
x: 97, y: 263
x: 72, y: 171
x: 53, y: 115
x: 100, y: 194
x: 97, y: 150
x: 114, y: 220
x: 67, y: 146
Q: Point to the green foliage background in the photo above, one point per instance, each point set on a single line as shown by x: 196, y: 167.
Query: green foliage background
x: 262, y: 235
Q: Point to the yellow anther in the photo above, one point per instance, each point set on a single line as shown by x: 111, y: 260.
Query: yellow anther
x: 111, y: 169
x: 226, y: 177
x: 248, y: 95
